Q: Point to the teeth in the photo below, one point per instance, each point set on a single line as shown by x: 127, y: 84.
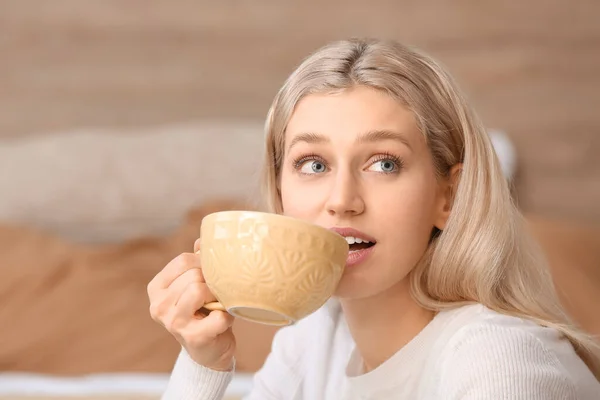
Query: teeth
x: 352, y: 240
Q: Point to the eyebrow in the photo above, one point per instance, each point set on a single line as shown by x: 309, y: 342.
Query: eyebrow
x: 367, y: 137
x: 383, y: 134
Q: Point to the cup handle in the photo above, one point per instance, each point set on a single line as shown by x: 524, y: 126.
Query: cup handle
x: 212, y: 306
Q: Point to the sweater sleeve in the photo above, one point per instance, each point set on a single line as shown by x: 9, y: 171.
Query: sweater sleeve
x: 279, y: 378
x: 502, y: 363
x: 191, y: 381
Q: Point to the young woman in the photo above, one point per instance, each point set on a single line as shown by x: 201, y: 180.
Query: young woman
x: 445, y: 298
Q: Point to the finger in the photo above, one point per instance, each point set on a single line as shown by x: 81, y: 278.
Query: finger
x: 161, y: 302
x: 173, y: 270
x: 214, y: 324
x: 197, y: 245
x: 193, y: 298
x: 180, y: 285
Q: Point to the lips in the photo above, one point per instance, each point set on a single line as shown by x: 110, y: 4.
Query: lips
x: 361, y: 244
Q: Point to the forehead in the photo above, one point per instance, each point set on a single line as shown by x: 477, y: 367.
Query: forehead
x: 350, y: 112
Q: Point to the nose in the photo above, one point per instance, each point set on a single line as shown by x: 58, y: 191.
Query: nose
x: 345, y: 198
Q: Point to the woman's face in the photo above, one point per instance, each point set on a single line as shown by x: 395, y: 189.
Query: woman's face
x: 356, y: 162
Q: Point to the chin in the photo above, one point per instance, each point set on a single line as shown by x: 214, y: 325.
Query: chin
x: 355, y: 287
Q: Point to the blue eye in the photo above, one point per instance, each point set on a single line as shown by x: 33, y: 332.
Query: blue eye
x: 386, y: 166
x: 311, y: 167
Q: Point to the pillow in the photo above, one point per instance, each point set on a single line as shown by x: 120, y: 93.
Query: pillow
x: 102, y: 185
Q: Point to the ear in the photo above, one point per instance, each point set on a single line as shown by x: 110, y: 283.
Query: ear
x: 446, y: 193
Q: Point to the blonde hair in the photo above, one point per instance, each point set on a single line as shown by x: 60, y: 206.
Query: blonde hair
x: 484, y: 254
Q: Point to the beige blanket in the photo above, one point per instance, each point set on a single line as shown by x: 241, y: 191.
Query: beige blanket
x: 70, y: 309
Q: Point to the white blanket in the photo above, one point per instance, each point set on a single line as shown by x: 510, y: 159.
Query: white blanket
x: 21, y: 384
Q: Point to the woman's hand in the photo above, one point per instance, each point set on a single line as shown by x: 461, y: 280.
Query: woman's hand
x: 176, y: 294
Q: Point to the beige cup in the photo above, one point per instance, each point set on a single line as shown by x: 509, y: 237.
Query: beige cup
x: 269, y: 268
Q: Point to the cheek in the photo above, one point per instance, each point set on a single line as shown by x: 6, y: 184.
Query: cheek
x: 411, y: 208
x: 299, y: 198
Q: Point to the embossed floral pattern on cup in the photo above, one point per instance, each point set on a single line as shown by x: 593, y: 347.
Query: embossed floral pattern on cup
x: 270, y: 263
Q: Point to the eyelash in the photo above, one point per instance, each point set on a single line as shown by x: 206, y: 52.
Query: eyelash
x: 298, y: 162
x: 385, y: 156
x: 390, y: 157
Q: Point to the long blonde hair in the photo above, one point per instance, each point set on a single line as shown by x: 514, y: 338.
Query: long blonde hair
x: 484, y: 254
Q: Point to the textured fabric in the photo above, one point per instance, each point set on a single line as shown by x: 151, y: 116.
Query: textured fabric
x: 70, y: 309
x: 469, y: 353
x: 184, y: 385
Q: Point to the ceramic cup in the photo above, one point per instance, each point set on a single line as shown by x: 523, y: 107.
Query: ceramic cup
x: 269, y: 268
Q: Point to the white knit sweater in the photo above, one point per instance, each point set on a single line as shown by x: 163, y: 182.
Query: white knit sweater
x: 469, y: 353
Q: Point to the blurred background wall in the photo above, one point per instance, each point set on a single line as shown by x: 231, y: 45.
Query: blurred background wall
x: 530, y: 68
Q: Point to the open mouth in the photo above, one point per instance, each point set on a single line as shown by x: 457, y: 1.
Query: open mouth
x: 360, y: 244
x: 356, y: 239
x: 356, y: 244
